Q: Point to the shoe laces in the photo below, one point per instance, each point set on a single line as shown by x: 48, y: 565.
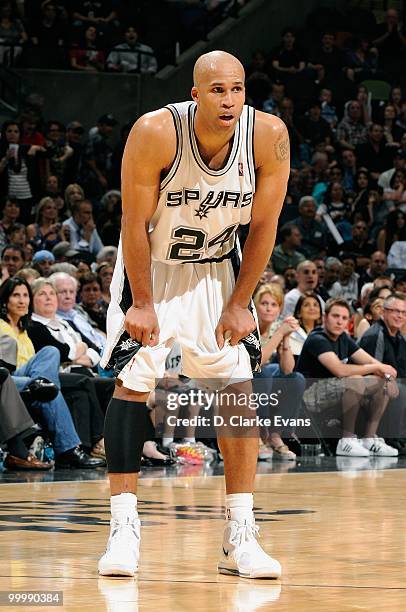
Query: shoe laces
x: 244, y: 532
x: 119, y: 528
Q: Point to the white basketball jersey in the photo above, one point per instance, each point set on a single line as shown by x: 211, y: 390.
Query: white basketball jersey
x: 199, y: 209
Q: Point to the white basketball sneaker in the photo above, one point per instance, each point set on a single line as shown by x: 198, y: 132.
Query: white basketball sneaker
x: 377, y: 447
x: 123, y: 548
x: 242, y: 555
x: 351, y: 447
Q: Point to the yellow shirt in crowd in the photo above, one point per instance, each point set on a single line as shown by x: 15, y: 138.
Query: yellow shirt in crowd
x: 25, y: 348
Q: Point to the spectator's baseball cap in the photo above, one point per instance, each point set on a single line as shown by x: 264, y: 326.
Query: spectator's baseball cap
x: 43, y: 256
x: 400, y: 153
x: 63, y: 249
x: 108, y: 119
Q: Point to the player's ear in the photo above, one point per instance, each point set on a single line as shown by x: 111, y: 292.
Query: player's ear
x: 194, y: 94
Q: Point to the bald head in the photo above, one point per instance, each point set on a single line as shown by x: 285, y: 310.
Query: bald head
x: 210, y: 64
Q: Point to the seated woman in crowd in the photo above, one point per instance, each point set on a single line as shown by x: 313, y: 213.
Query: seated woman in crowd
x: 46, y: 329
x: 87, y: 56
x: 46, y: 232
x: 110, y: 207
x: 392, y: 132
x: 10, y: 214
x: 91, y: 299
x: 372, y: 312
x: 336, y: 205
x: 396, y: 99
x: 375, y: 212
x: 395, y: 194
x: 105, y: 273
x: 15, y: 426
x: 362, y: 62
x: 53, y: 191
x: 308, y: 313
x: 393, y: 230
x: 359, y: 198
x: 15, y: 310
x: 275, y: 335
x: 73, y: 193
x: 12, y: 34
x: 17, y: 234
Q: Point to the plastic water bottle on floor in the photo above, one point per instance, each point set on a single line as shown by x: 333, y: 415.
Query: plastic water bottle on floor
x: 49, y: 454
x: 37, y: 448
x: 311, y: 450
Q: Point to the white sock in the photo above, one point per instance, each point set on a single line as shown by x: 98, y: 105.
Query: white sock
x: 123, y: 506
x: 239, y: 506
x: 190, y: 440
x: 167, y: 441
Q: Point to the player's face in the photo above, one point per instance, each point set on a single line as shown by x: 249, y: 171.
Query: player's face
x: 220, y: 96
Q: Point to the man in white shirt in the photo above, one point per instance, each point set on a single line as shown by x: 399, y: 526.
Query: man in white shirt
x: 347, y: 286
x: 132, y: 56
x: 83, y: 233
x: 66, y: 288
x: 307, y: 278
x: 398, y: 164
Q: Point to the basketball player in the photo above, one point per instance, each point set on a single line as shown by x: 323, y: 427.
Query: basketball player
x: 190, y: 171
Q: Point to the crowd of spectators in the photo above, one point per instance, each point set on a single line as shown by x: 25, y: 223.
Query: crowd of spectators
x: 105, y: 35
x: 60, y: 221
x: 335, y: 287
x: 342, y: 236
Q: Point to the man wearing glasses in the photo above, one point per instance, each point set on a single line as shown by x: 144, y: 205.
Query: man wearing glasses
x: 385, y: 341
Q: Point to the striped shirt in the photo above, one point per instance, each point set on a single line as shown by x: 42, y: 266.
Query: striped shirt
x: 18, y: 185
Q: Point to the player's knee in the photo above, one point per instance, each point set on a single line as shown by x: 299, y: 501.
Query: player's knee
x: 125, y: 430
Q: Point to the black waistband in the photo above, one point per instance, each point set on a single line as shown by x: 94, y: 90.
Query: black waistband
x: 212, y: 259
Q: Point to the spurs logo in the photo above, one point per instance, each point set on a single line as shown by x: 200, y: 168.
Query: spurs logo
x: 128, y: 344
x: 252, y: 339
x: 208, y: 203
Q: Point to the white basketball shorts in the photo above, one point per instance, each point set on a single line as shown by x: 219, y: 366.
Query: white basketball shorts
x: 188, y: 299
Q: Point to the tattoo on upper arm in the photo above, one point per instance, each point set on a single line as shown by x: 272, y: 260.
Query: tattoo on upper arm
x: 281, y: 147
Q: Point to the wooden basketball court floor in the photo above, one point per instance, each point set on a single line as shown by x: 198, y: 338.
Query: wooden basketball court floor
x: 340, y: 536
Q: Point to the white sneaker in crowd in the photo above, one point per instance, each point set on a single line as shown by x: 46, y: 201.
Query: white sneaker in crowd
x: 377, y: 447
x: 351, y: 447
x: 123, y: 548
x: 242, y: 555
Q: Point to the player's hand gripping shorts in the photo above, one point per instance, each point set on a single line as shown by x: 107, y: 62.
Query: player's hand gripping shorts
x: 188, y: 300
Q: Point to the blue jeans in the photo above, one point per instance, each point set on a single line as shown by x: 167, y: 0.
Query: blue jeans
x: 55, y: 414
x: 293, y: 387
